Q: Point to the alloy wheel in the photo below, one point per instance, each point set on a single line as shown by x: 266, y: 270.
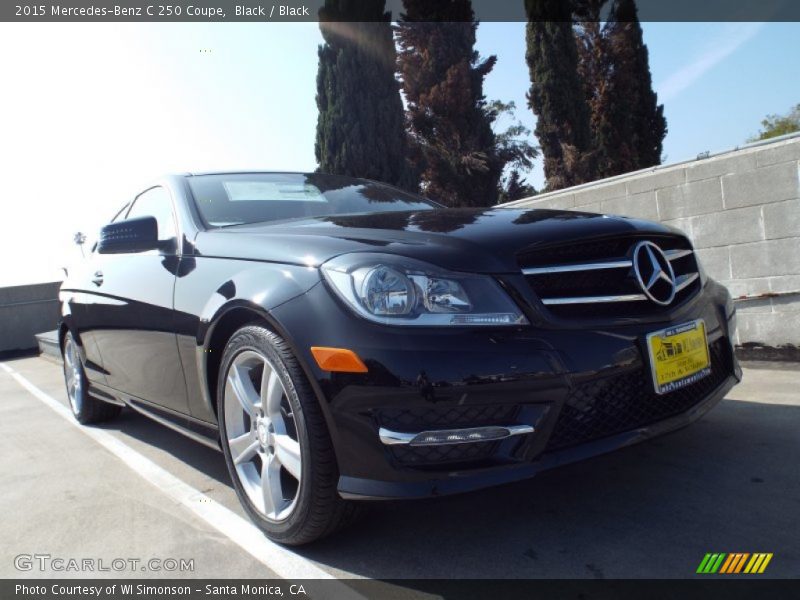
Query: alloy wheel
x: 262, y: 435
x: 72, y: 372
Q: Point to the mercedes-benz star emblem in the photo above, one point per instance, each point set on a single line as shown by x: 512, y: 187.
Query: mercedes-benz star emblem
x: 654, y: 273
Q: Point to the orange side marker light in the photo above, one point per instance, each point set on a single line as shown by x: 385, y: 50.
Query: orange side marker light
x: 338, y: 360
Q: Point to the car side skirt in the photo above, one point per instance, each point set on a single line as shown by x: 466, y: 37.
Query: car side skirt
x: 199, y: 431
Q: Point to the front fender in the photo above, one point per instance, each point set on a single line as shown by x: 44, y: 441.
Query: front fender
x: 262, y: 287
x: 212, y: 293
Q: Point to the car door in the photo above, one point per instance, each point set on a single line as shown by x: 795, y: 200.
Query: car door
x: 133, y: 319
x: 78, y: 297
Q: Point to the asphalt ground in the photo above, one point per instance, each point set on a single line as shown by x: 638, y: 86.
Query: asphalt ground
x: 135, y: 489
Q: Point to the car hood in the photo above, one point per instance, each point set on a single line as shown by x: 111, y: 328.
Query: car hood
x: 484, y: 240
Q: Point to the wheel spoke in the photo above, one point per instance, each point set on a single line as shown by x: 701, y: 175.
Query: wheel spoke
x: 271, y: 392
x: 243, y: 447
x: 243, y: 389
x: 271, y: 486
x: 287, y: 451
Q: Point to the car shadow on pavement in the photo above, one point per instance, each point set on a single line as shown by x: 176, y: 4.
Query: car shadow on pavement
x: 727, y: 483
x: 202, y: 458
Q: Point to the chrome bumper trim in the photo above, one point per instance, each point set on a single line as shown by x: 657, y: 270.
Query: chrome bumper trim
x: 500, y: 432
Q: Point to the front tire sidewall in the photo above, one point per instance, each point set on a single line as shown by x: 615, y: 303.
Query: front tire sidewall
x: 257, y: 340
x: 79, y: 414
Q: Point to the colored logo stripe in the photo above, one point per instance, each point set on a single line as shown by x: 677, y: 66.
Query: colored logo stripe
x: 710, y: 563
x: 758, y: 563
x: 734, y: 563
x: 727, y: 564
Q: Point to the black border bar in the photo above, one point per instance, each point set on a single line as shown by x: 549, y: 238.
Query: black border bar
x: 308, y: 11
x: 700, y: 588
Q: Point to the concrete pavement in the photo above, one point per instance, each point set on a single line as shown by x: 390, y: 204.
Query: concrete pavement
x: 728, y: 483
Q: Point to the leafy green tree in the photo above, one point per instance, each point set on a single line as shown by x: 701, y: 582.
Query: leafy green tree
x: 515, y: 187
x: 360, y: 127
x: 777, y: 125
x: 514, y: 150
x: 454, y: 146
x: 557, y: 95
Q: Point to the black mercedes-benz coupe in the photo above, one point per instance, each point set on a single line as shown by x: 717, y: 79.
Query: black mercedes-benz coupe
x: 342, y: 340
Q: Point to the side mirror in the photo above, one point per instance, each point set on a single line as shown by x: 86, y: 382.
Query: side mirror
x: 132, y: 235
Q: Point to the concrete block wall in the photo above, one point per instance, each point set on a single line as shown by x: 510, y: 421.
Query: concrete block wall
x: 26, y: 310
x: 742, y: 211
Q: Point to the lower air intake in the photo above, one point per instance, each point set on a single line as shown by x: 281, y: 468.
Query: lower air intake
x: 604, y: 407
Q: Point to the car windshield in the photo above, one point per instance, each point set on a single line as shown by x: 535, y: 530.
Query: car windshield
x: 239, y: 198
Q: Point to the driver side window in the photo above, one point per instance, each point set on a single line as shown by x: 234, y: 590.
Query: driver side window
x: 156, y: 202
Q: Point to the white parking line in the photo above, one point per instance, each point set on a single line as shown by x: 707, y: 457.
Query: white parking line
x: 282, y: 561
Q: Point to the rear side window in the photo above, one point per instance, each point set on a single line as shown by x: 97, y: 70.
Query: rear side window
x: 156, y: 202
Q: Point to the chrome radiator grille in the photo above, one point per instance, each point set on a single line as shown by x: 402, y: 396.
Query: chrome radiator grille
x: 598, y: 279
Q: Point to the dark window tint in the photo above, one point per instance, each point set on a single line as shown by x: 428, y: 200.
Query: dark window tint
x: 156, y: 202
x: 238, y: 198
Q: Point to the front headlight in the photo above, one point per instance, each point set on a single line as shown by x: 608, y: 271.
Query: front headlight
x: 396, y: 290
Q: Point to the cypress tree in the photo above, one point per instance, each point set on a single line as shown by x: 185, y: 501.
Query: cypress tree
x: 557, y: 95
x: 360, y: 127
x: 632, y: 125
x: 450, y: 123
x: 608, y: 115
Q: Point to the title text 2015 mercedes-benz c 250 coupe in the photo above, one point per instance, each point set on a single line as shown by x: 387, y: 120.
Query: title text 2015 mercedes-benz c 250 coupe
x: 342, y: 340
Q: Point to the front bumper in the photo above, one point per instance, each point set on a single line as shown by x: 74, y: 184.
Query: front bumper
x: 584, y: 391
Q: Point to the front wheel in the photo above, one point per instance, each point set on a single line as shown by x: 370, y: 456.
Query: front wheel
x: 276, y: 444
x: 85, y: 408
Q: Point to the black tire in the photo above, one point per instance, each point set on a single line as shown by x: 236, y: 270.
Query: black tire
x: 86, y: 409
x: 318, y: 510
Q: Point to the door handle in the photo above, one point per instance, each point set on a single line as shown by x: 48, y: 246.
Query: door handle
x: 98, y: 278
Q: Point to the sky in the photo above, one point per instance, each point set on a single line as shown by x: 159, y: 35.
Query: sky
x: 89, y: 113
